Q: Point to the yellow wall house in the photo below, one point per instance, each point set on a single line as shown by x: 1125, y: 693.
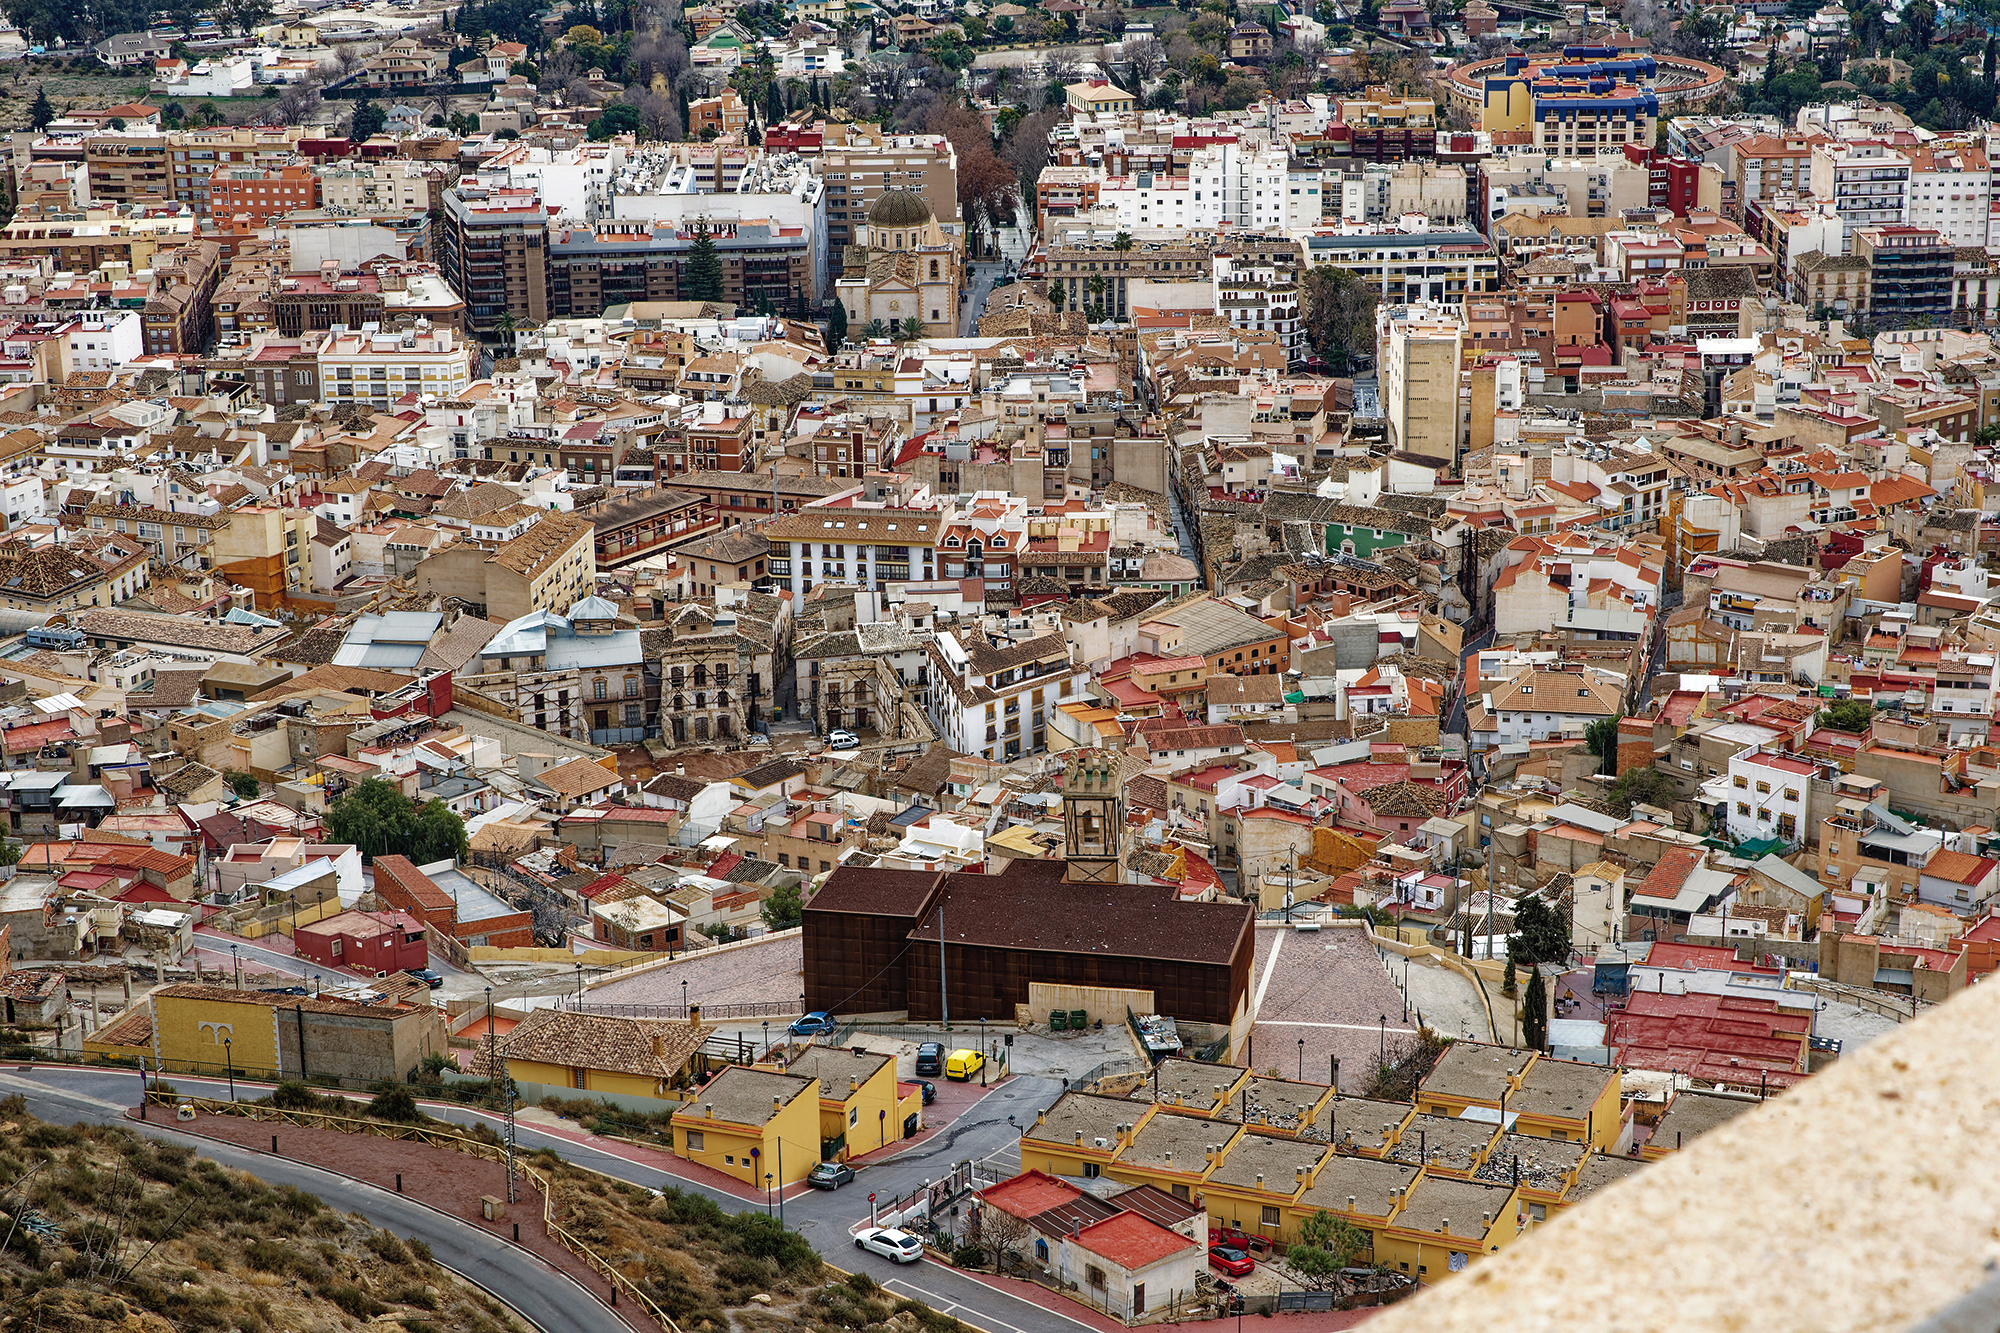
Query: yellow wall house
x: 1442, y: 1225
x: 1543, y: 1098
x: 857, y: 1097
x: 212, y: 1029
x: 750, y: 1123
x: 1080, y: 1135
x: 596, y: 1053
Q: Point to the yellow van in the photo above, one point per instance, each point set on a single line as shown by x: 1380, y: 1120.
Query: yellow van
x: 963, y: 1064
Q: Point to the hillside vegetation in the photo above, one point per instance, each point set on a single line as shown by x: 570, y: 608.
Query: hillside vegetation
x: 106, y: 1231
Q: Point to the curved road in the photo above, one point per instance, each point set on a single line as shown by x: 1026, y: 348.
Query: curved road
x: 545, y: 1296
x: 64, y: 1094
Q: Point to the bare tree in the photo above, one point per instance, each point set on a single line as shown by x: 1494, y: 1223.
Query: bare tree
x: 557, y: 68
x: 1027, y: 148
x: 1148, y: 56
x: 1062, y: 66
x: 1003, y: 1234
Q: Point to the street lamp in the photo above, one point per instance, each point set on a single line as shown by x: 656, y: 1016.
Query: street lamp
x: 1383, y: 1057
x: 767, y: 1039
x: 684, y: 997
x: 579, y: 988
x: 982, y: 1052
x: 236, y: 963
x: 1302, y: 1059
x: 229, y: 1063
x: 767, y: 1194
x: 1406, y: 988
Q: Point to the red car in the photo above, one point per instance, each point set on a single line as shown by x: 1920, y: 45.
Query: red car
x: 1229, y: 1236
x: 1230, y: 1260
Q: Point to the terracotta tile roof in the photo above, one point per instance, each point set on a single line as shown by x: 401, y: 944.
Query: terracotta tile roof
x: 653, y: 1048
x: 1671, y: 874
x: 578, y: 777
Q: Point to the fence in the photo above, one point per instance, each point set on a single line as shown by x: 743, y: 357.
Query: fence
x: 768, y: 1009
x: 435, y: 1138
x: 1109, y: 1069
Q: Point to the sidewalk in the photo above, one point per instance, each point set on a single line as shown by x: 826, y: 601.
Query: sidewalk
x: 451, y: 1182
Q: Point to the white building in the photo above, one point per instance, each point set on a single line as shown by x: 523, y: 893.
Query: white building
x: 104, y: 340
x: 223, y: 76
x: 1868, y: 182
x: 376, y: 368
x: 1767, y: 796
x: 389, y: 185
x: 993, y: 699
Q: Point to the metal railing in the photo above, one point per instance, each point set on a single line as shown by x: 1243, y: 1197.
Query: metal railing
x: 759, y: 1009
x: 493, y: 1152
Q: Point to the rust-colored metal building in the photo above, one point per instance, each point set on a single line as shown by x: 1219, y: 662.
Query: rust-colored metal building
x: 872, y: 943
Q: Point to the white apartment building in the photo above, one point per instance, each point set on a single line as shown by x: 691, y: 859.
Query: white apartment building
x: 375, y: 368
x: 1418, y: 350
x: 1767, y: 796
x: 392, y: 185
x: 994, y: 699
x: 1867, y: 182
x: 1262, y: 299
x: 104, y: 339
x: 865, y: 548
x: 1411, y: 260
x: 1951, y: 190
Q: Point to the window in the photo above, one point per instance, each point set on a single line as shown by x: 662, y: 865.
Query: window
x: 696, y: 1140
x: 1092, y: 1171
x: 1741, y: 783
x: 598, y: 690
x: 1270, y: 1216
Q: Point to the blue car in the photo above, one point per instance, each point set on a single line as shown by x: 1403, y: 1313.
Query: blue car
x: 814, y: 1025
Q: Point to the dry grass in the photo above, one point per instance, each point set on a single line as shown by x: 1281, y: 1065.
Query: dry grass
x: 156, y: 1239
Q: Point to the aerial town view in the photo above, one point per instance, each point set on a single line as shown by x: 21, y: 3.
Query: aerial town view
x: 947, y: 666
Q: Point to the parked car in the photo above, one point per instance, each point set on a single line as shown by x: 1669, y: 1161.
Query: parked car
x: 842, y: 740
x: 930, y: 1058
x: 816, y: 1024
x: 930, y: 1090
x: 829, y: 1175
x: 1229, y: 1236
x: 890, y: 1244
x: 425, y: 975
x: 1230, y: 1260
x: 963, y: 1064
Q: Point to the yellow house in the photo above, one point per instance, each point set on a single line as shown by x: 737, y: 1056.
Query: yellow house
x: 1543, y: 1170
x: 215, y: 1029
x: 1174, y: 1152
x: 1361, y: 1125
x: 596, y: 1053
x: 1096, y: 95
x: 752, y: 1123
x: 1688, y: 1116
x: 1361, y: 1192
x: 1080, y: 1135
x: 858, y: 1099
x: 1563, y: 1099
x: 1443, y: 1145
x: 1442, y: 1225
x: 1275, y: 1105
x: 1256, y: 1185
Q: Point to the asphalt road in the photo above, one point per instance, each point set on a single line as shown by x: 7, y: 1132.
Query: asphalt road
x: 545, y: 1296
x: 557, y: 1305
x: 983, y: 275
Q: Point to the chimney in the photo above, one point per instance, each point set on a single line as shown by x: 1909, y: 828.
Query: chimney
x: 1260, y: 1180
x: 708, y: 1110
x: 1170, y: 1157
x: 777, y: 1105
x: 1041, y: 1117
x: 1444, y: 1226
x: 659, y: 1047
x: 1077, y: 1139
x: 1350, y: 1203
x: 852, y: 1087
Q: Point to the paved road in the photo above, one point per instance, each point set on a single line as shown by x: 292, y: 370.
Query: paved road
x: 825, y: 1219
x: 546, y: 1296
x: 983, y: 276
x: 1455, y: 724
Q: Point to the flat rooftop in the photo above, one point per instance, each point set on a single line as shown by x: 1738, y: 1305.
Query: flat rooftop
x: 474, y: 902
x: 1370, y: 1183
x: 1475, y: 1071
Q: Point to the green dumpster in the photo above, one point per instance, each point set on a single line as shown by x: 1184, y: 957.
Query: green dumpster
x: 1078, y: 1020
x: 1058, y: 1020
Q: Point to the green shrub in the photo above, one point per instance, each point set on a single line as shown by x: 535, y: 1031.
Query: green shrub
x: 353, y: 1300
x: 388, y: 1248
x: 968, y: 1256
x: 396, y: 1103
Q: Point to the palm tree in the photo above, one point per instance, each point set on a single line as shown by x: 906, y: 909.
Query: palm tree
x: 506, y: 323
x: 874, y: 328
x: 1122, y: 241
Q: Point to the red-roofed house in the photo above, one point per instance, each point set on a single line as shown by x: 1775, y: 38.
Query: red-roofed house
x: 1958, y: 881
x: 1728, y: 1040
x: 1129, y: 1265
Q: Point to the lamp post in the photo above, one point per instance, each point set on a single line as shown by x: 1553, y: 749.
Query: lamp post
x: 229, y: 1063
x: 1302, y: 1059
x: 579, y: 987
x: 982, y: 1052
x: 1383, y: 1057
x: 767, y: 1039
x: 767, y: 1194
x: 236, y: 964
x: 781, y: 1180
x: 1406, y: 988
x: 684, y: 997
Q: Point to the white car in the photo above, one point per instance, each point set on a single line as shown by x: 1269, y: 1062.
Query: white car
x: 842, y: 740
x: 890, y: 1244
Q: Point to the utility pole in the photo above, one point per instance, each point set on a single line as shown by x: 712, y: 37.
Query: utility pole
x: 944, y: 995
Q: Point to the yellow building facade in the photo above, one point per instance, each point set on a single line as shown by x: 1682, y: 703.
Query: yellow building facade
x: 750, y: 1124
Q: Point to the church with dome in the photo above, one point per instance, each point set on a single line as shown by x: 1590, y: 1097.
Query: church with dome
x: 902, y: 266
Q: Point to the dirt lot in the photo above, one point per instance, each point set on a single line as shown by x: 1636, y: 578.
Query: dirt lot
x: 84, y: 83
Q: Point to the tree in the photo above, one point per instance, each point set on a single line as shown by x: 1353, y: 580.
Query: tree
x: 785, y: 908
x: 1003, y: 1234
x: 1541, y: 933
x: 704, y: 268
x: 618, y: 118
x: 1057, y: 294
x: 1601, y: 739
x: 913, y: 328
x: 1855, y: 715
x: 874, y: 329
x: 774, y: 105
x: 1340, y: 316
x: 368, y: 120
x: 1122, y: 241
x: 1535, y: 1013
x: 1326, y: 1245
x: 1919, y: 23
x: 836, y: 327
x: 41, y: 113
x: 377, y: 818
x: 1641, y: 786
x: 243, y: 784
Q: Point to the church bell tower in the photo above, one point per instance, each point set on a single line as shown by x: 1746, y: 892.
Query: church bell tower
x: 1094, y: 818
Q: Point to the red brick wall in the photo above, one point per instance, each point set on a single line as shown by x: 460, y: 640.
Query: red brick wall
x: 400, y: 885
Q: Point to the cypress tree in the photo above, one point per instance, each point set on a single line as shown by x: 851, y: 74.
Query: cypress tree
x: 774, y: 104
x: 836, y: 328
x: 42, y: 112
x: 704, y: 269
x: 1535, y: 1018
